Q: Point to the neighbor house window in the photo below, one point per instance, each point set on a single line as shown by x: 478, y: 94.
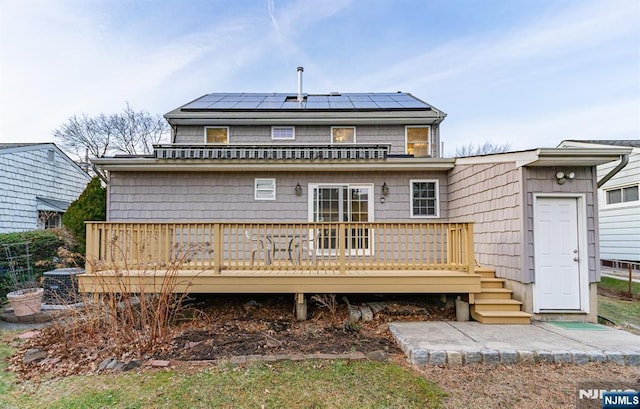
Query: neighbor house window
x: 283, y: 133
x: 343, y: 134
x: 216, y: 135
x: 49, y: 219
x: 424, y: 198
x: 418, y: 140
x: 265, y: 189
x: 622, y: 195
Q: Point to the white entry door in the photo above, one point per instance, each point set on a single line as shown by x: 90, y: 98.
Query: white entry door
x: 557, y: 258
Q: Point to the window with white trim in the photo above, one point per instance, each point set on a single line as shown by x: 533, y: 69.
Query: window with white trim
x: 622, y: 195
x: 424, y: 198
x: 216, y: 135
x: 342, y: 134
x: 283, y: 133
x: 265, y: 189
x: 417, y: 138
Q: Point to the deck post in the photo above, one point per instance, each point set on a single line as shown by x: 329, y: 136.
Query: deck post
x: 217, y: 248
x: 301, y: 307
x: 471, y: 260
x: 92, y: 245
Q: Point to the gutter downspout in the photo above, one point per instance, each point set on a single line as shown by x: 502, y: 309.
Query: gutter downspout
x: 624, y: 159
x: 100, y: 174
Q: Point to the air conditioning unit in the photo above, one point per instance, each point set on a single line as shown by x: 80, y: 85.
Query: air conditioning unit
x: 61, y: 286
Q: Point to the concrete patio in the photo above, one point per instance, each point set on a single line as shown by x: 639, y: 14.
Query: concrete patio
x: 456, y: 343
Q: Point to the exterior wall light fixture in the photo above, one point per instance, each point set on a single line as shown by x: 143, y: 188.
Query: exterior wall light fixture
x: 298, y: 189
x: 562, y: 177
x: 385, y: 189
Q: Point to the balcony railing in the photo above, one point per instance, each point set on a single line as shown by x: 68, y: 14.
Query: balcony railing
x: 328, y: 247
x: 273, y: 152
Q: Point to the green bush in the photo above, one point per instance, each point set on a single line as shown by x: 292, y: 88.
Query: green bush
x: 90, y: 206
x: 43, y: 253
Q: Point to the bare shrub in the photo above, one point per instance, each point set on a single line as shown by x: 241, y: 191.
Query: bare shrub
x: 327, y: 301
x: 132, y: 312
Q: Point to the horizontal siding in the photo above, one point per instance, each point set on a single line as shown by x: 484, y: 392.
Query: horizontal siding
x: 213, y: 196
x: 27, y: 174
x: 629, y: 174
x: 365, y: 134
x: 490, y: 196
x: 620, y: 233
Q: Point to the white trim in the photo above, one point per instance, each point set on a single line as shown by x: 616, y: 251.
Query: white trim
x: 216, y: 127
x: 437, y: 190
x: 583, y: 249
x: 342, y: 143
x: 293, y: 133
x: 272, y: 189
x: 429, y: 138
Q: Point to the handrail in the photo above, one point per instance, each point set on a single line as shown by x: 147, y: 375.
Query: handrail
x: 256, y: 246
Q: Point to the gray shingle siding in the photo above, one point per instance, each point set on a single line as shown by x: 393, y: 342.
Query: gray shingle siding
x: 28, y: 173
x: 307, y: 134
x: 213, y: 196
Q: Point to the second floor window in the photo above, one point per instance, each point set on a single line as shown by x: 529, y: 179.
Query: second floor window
x: 418, y: 141
x: 279, y: 133
x: 216, y: 135
x: 343, y: 134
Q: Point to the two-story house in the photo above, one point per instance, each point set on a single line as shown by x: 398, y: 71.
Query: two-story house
x: 348, y: 193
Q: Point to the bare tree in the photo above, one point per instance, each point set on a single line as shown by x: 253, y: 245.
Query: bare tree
x: 485, y: 149
x: 129, y: 132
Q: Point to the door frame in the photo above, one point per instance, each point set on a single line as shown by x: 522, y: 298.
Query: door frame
x: 583, y: 249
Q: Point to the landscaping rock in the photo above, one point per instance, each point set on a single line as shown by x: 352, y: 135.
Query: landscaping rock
x: 103, y: 365
x: 454, y: 358
x: 50, y: 361
x: 376, y: 307
x: 419, y: 357
x: 580, y: 357
x: 597, y: 357
x: 377, y: 356
x: 615, y: 357
x: 632, y: 358
x: 366, y: 314
x: 112, y: 364
x: 544, y: 357
x: 526, y: 356
x: 354, y: 313
x: 28, y: 334
x: 33, y: 355
x: 158, y: 363
x: 132, y: 365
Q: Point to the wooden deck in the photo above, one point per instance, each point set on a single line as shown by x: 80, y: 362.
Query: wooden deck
x: 280, y: 258
x: 283, y: 281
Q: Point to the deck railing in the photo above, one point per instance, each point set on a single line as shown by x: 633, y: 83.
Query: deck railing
x: 337, y: 247
x: 273, y: 152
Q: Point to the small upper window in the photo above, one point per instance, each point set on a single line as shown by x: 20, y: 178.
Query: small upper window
x: 622, y: 195
x: 283, y: 133
x: 51, y: 155
x: 343, y: 134
x: 418, y: 141
x: 265, y: 189
x: 216, y: 135
x: 424, y: 198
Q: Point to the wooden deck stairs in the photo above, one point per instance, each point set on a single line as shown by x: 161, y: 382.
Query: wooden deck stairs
x: 494, y: 304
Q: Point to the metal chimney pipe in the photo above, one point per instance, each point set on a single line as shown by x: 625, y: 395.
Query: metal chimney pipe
x: 300, y: 70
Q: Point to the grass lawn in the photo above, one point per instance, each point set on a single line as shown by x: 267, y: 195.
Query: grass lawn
x: 305, y: 384
x: 617, y: 310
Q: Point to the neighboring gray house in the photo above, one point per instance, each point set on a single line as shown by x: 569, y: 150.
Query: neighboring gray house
x: 618, y: 202
x: 364, y: 173
x: 37, y: 184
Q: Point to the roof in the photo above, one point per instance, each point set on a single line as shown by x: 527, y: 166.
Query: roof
x: 283, y: 108
x: 51, y: 205
x: 631, y: 143
x: 551, y: 157
x: 9, y: 148
x: 20, y: 145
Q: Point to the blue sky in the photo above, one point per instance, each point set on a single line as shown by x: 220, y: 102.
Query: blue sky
x: 527, y: 72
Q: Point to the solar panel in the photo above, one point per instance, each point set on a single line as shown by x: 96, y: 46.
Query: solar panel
x: 275, y: 101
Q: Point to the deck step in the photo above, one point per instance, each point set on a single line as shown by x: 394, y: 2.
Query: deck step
x: 499, y: 304
x: 492, y: 282
x: 487, y: 272
x: 502, y: 317
x: 493, y: 293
